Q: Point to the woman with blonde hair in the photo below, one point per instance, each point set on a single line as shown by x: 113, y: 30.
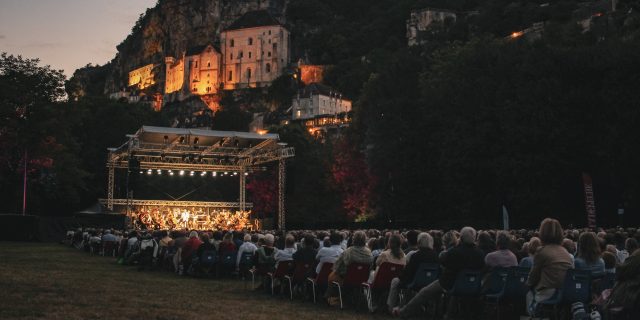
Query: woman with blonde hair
x: 550, y: 264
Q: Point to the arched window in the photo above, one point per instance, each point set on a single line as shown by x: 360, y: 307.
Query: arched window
x: 250, y: 41
x: 268, y: 67
x: 208, y: 64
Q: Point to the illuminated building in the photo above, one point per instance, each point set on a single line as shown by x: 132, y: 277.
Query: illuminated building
x: 317, y: 100
x: 255, y: 49
x: 142, y: 77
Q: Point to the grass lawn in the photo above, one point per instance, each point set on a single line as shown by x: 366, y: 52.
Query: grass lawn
x: 52, y: 281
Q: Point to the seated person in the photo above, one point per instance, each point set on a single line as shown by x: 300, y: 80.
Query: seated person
x: 589, y: 254
x: 307, y: 253
x: 424, y: 254
x: 246, y: 247
x: 331, y: 253
x: 502, y: 257
x: 393, y: 254
x: 286, y: 254
x: 534, y: 244
x: 357, y: 253
x: 464, y: 256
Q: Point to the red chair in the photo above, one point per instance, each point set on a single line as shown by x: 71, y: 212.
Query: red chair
x: 284, y: 268
x: 382, y: 281
x: 357, y: 273
x: 109, y: 248
x: 321, y: 279
x: 299, y: 274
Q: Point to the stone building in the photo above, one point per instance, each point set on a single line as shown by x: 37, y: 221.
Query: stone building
x: 198, y: 68
x: 424, y: 20
x: 255, y: 49
x: 142, y: 77
x: 317, y: 100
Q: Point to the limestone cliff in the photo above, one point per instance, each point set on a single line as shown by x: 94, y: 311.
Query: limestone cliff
x: 172, y: 26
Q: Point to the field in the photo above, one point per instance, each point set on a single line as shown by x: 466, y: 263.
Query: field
x: 52, y: 281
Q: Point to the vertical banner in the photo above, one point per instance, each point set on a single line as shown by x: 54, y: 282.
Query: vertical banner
x: 505, y: 218
x: 589, y: 202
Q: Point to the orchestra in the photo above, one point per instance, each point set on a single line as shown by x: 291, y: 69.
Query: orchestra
x: 169, y: 218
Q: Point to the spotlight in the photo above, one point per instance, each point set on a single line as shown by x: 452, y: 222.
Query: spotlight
x: 204, y: 173
x: 170, y: 172
x: 226, y: 173
x: 182, y: 172
x: 149, y: 171
x: 214, y: 174
x: 159, y: 171
x: 235, y: 173
x: 192, y: 173
x: 246, y: 173
x: 140, y: 171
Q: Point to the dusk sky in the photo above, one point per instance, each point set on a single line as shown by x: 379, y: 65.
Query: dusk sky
x: 67, y: 34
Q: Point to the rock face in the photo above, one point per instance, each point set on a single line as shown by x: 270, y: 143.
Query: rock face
x: 173, y: 26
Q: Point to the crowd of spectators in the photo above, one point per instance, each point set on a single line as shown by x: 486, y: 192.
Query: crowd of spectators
x: 547, y: 254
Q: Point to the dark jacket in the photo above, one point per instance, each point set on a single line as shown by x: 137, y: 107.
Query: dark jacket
x: 424, y: 255
x: 305, y: 255
x: 464, y: 256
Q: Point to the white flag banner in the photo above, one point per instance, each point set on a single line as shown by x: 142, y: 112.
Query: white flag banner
x: 505, y: 218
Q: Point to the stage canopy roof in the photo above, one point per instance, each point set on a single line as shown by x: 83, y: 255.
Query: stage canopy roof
x: 197, y: 149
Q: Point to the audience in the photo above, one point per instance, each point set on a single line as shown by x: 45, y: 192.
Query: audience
x: 589, y: 256
x: 502, y: 257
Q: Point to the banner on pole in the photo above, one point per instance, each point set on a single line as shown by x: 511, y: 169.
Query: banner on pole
x: 589, y: 202
x: 505, y: 218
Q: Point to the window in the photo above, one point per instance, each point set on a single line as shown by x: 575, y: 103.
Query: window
x: 268, y: 67
x: 231, y: 56
x: 275, y: 47
x: 248, y: 73
x: 195, y: 64
x: 230, y: 76
x: 208, y: 64
x: 269, y: 32
x: 249, y: 54
x: 269, y: 40
x: 240, y: 55
x: 250, y: 41
x: 208, y: 75
x: 298, y: 113
x: 269, y: 54
x: 195, y: 89
x: 231, y: 43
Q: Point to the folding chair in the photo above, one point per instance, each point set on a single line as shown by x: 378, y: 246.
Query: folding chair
x: 299, y: 274
x: 357, y: 274
x: 468, y: 285
x: 228, y: 261
x: 494, y: 287
x: 246, y: 263
x: 321, y: 279
x: 424, y: 276
x: 576, y: 288
x: 283, y: 269
x: 381, y: 282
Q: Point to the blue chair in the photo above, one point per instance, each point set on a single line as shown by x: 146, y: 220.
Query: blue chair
x: 425, y: 275
x: 468, y: 287
x: 576, y: 288
x: 507, y: 285
x: 228, y: 262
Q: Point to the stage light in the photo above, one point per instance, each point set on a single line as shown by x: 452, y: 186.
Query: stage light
x: 214, y: 174
x: 204, y: 173
x: 192, y: 173
x: 226, y: 173
x: 235, y: 173
x: 140, y: 171
x: 170, y: 173
x: 149, y: 171
x: 246, y: 173
x: 159, y: 171
x: 182, y: 172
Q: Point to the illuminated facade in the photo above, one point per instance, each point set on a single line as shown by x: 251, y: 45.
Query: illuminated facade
x: 203, y: 70
x: 255, y: 50
x: 317, y: 100
x: 174, y: 78
x: 142, y: 77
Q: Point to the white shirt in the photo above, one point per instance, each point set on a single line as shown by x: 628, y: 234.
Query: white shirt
x: 245, y: 247
x: 329, y: 254
x: 285, y: 255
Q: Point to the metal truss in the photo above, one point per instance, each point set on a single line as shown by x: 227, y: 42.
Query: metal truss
x: 110, y: 187
x: 168, y: 203
x: 282, y: 167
